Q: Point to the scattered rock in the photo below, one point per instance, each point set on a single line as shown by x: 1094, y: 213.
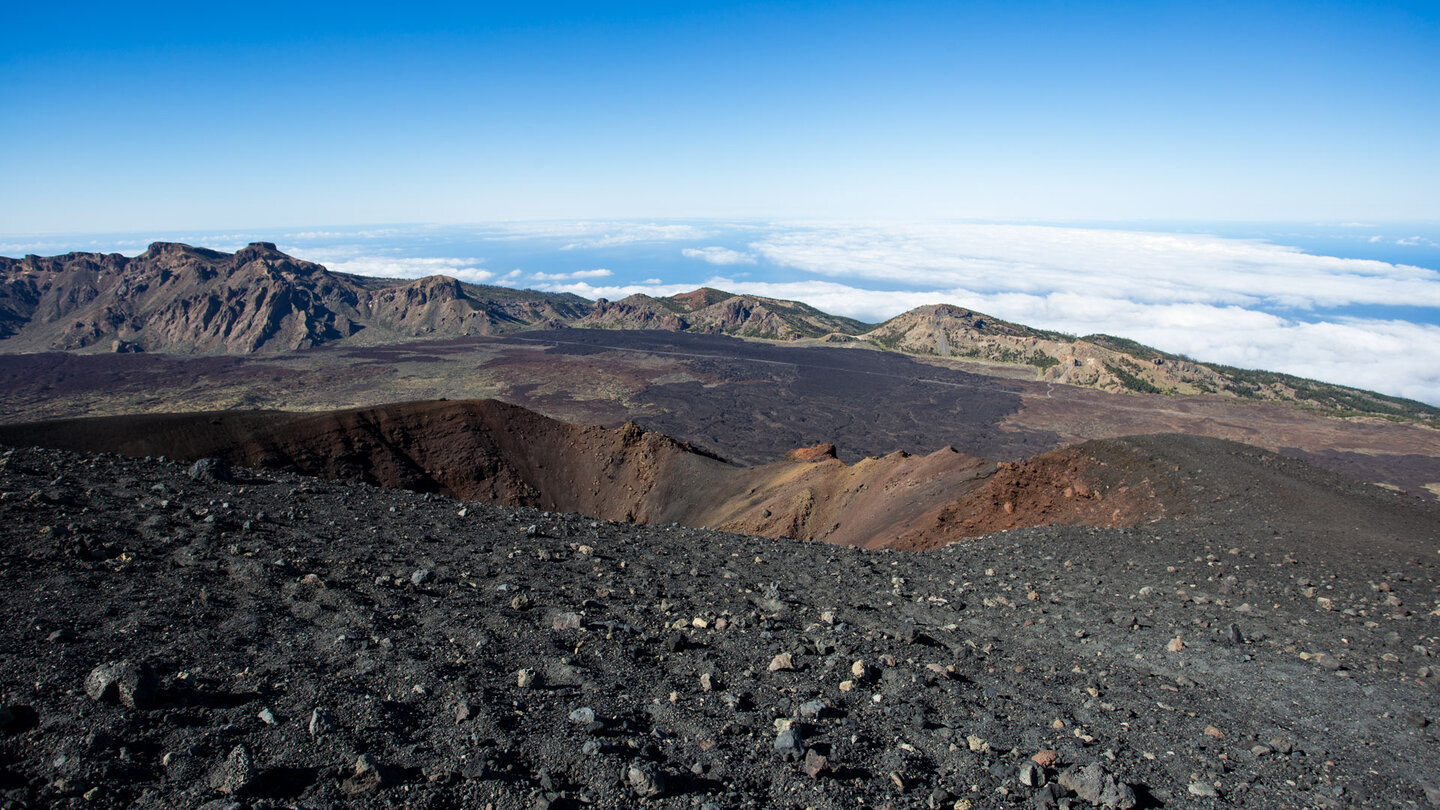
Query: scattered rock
x: 812, y: 709
x: 1094, y: 784
x: 1202, y: 789
x: 815, y: 764
x: 646, y: 779
x: 321, y: 723
x: 235, y: 774
x: 1030, y: 774
x: 365, y: 778
x: 133, y: 685
x: 782, y: 662
x: 211, y: 469
x: 789, y: 745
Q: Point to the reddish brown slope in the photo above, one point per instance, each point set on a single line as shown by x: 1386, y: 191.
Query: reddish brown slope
x: 490, y: 451
x: 478, y: 450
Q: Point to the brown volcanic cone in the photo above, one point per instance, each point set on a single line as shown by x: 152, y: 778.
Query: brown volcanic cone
x: 478, y: 450
x: 490, y: 451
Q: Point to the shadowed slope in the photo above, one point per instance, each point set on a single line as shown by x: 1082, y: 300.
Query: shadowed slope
x: 490, y: 451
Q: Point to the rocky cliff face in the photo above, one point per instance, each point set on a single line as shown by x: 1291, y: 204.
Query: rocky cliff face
x: 179, y: 298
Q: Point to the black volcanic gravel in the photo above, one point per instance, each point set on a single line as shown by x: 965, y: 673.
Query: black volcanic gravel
x: 275, y: 641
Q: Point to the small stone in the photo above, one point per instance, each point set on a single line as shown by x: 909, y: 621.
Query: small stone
x: 532, y: 531
x: 1202, y: 789
x: 266, y: 716
x: 525, y: 678
x: 1211, y: 731
x: 583, y: 716
x: 133, y: 685
x: 1045, y: 758
x: 463, y: 711
x: 784, y: 661
x: 234, y: 774
x: 566, y: 621
x: 645, y: 779
x: 365, y: 778
x: 1030, y: 774
x: 420, y: 577
x: 789, y: 745
x: 210, y: 469
x: 815, y: 764
x: 859, y: 670
x: 977, y: 744
x: 321, y: 723
x: 813, y: 709
x: 1261, y: 750
x: 707, y: 682
x: 1175, y: 645
x: 1087, y: 782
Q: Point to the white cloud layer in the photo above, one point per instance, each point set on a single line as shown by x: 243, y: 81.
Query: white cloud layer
x: 578, y: 274
x: 718, y: 255
x: 599, y: 234
x: 1125, y: 265
x: 347, y: 260
x: 1394, y: 357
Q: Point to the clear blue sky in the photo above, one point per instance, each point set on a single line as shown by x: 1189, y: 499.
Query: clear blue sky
x: 132, y: 116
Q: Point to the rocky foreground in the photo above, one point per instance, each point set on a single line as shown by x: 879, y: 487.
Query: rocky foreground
x: 178, y: 636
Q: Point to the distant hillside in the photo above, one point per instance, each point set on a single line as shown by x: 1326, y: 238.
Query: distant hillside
x: 1117, y: 364
x: 187, y: 300
x: 177, y: 298
x: 716, y: 311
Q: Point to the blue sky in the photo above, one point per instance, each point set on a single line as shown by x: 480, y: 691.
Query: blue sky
x: 141, y: 115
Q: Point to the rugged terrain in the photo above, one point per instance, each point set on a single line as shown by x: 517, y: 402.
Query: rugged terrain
x: 182, y: 299
x: 497, y: 453
x: 177, y: 298
x: 746, y: 401
x: 176, y: 635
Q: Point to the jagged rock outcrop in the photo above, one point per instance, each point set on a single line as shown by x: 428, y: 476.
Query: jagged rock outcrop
x: 179, y: 298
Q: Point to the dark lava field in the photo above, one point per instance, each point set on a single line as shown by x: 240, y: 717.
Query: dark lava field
x: 185, y: 636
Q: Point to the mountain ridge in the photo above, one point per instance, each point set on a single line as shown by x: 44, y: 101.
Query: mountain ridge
x: 190, y: 300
